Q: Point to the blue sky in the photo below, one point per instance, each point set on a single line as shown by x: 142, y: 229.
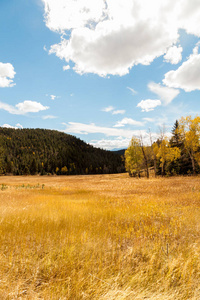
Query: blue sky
x: 101, y: 70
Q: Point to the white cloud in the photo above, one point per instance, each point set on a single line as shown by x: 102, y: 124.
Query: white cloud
x: 30, y: 106
x: 165, y: 94
x: 80, y: 128
x: 149, y: 104
x: 132, y: 90
x: 174, y: 55
x: 128, y: 121
x: 114, y: 112
x: 7, y: 74
x: 118, y: 112
x: 53, y: 97
x: 23, y: 107
x: 111, y: 144
x: 49, y: 117
x: 17, y: 126
x: 189, y: 16
x: 111, y: 36
x: 108, y: 109
x: 67, y: 14
x: 65, y: 68
x: 122, y: 136
x: 187, y: 76
x: 123, y: 143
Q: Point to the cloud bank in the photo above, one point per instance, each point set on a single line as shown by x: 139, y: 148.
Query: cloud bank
x: 81, y: 128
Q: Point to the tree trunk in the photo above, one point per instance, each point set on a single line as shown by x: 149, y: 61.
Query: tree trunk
x: 154, y: 163
x: 193, y: 164
x: 192, y: 160
x: 162, y: 169
x: 146, y: 161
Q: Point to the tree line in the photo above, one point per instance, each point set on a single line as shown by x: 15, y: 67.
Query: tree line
x: 42, y: 151
x: 179, y: 154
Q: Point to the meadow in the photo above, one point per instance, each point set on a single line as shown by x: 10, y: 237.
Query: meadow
x: 99, y: 237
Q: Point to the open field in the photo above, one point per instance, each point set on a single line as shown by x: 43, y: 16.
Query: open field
x: 99, y: 237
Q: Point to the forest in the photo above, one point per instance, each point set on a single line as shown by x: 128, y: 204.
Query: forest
x: 177, y: 155
x: 42, y: 151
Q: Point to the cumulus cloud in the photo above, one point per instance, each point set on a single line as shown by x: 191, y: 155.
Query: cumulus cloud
x: 174, y: 55
x: 189, y: 16
x: 110, y: 37
x: 81, y: 128
x: 187, y: 76
x: 149, y: 104
x: 128, y: 121
x: 7, y: 74
x: 68, y: 14
x: 30, y: 106
x: 23, y: 107
x: 165, y: 94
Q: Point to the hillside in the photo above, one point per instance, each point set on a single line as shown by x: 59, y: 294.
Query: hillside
x: 120, y: 152
x: 42, y: 151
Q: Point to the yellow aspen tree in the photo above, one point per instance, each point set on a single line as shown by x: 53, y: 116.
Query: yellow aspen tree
x: 166, y: 153
x: 190, y: 133
x: 133, y: 157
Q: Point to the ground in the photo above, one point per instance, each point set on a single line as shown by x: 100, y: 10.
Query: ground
x: 99, y: 237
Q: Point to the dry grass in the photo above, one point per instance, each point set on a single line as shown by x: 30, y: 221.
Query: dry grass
x: 99, y: 237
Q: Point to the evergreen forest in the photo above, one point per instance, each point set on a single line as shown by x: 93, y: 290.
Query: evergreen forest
x: 42, y: 151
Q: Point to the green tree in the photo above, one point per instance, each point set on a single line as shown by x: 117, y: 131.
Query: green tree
x: 33, y: 167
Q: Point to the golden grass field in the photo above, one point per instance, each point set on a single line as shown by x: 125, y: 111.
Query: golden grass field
x: 99, y: 237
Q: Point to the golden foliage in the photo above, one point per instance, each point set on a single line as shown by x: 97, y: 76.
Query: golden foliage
x: 133, y: 157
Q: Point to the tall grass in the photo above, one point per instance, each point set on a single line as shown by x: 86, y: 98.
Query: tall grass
x: 99, y: 237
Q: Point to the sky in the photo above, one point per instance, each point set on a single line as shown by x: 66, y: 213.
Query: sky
x: 101, y: 70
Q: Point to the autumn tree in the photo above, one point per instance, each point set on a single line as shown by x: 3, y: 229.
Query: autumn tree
x: 189, y: 130
x: 145, y: 152
x: 134, y: 157
x: 165, y: 153
x: 153, y: 152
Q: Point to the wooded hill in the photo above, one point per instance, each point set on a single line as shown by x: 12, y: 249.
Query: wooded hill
x: 42, y: 151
